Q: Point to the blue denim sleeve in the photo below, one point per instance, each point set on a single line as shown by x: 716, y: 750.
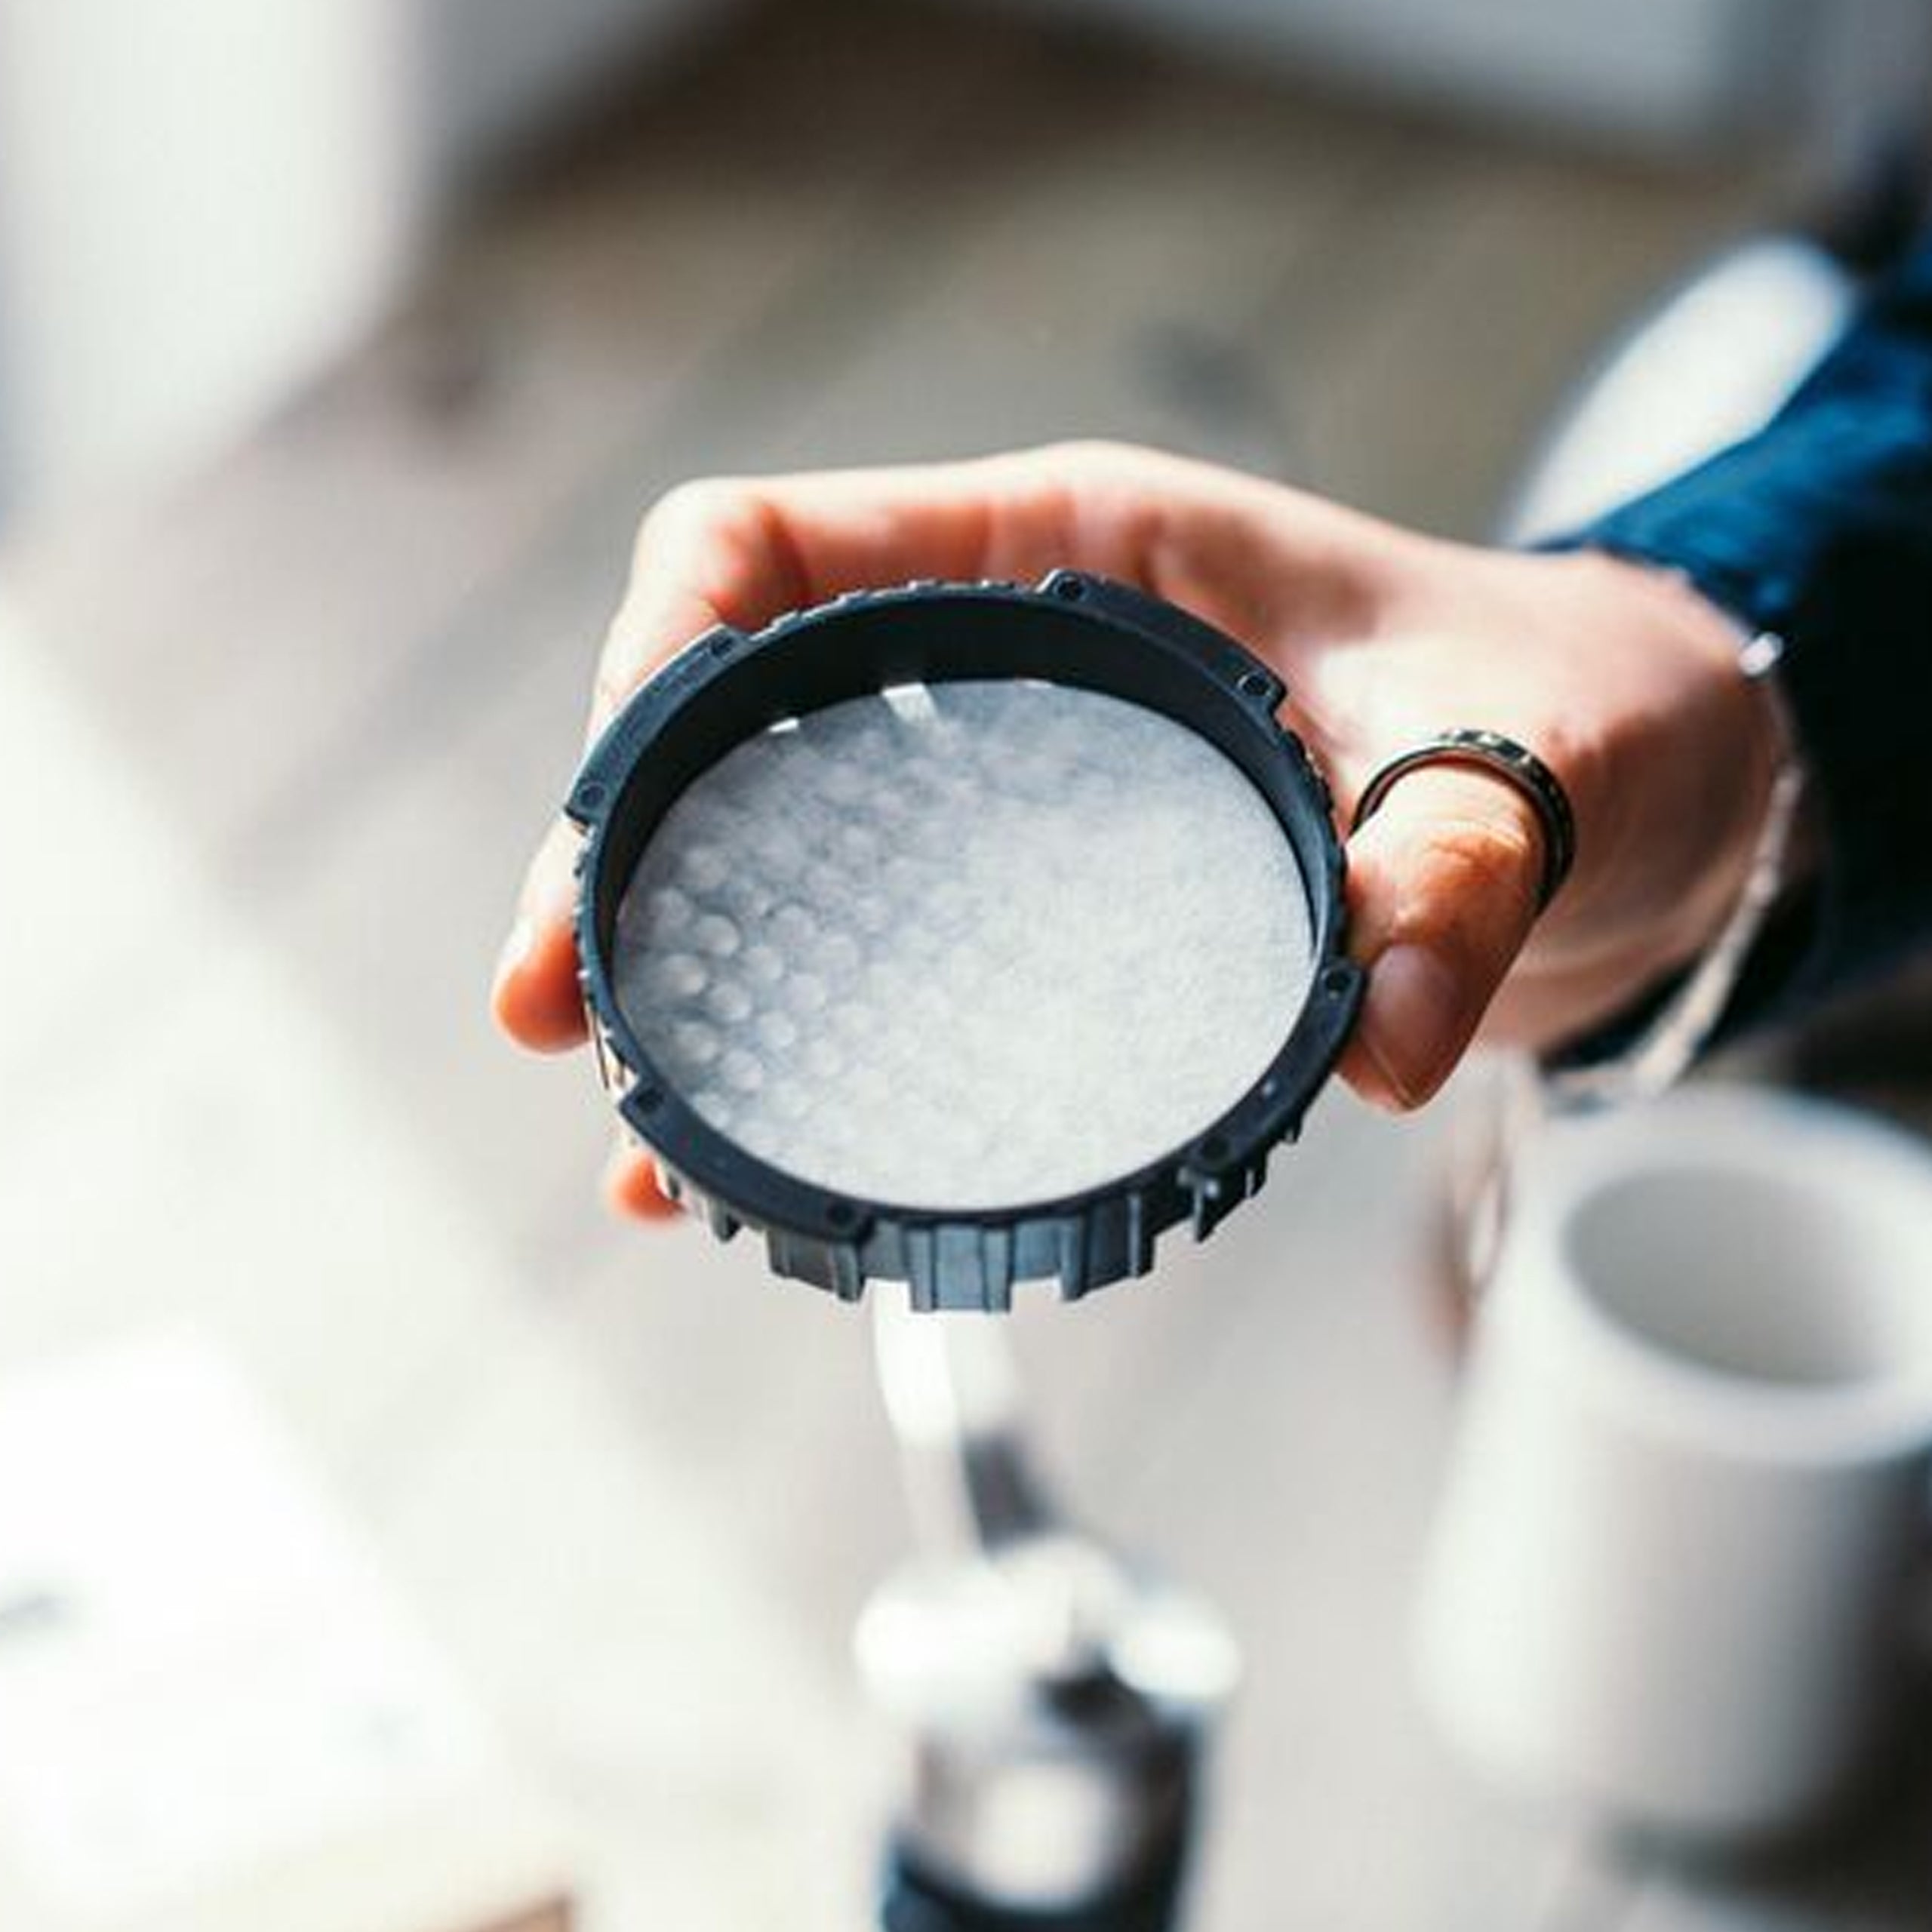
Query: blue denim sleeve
x: 1820, y: 528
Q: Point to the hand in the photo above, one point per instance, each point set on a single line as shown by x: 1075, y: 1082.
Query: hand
x: 1624, y: 682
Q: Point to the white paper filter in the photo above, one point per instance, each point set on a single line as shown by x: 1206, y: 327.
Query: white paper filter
x: 970, y: 945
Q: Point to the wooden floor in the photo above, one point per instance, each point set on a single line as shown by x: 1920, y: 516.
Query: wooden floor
x: 301, y: 722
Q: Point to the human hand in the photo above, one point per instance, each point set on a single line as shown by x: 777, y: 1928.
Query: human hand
x: 1625, y: 683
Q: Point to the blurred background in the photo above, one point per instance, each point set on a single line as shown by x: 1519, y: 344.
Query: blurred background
x: 342, y: 343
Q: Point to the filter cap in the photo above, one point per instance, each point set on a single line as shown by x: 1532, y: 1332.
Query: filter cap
x: 728, y: 687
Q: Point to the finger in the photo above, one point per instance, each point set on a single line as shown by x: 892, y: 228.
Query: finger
x: 740, y: 551
x: 1443, y: 882
x: 631, y: 1186
x: 535, y: 996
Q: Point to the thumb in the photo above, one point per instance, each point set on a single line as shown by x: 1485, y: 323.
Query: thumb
x: 1443, y: 885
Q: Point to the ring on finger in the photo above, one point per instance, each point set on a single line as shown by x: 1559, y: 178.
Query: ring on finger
x: 1516, y: 765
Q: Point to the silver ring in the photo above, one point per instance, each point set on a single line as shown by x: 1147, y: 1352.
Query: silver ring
x: 1516, y: 766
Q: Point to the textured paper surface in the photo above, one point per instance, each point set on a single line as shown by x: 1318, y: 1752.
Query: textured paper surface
x: 971, y: 944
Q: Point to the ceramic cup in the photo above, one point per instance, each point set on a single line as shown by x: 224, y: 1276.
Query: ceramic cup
x: 1687, y: 1499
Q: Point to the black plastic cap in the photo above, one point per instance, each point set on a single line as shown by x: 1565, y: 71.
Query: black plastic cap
x: 1072, y: 630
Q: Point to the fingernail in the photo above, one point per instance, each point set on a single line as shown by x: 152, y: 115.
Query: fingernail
x: 1414, y: 1022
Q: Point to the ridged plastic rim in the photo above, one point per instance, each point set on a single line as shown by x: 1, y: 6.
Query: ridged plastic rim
x: 1072, y: 628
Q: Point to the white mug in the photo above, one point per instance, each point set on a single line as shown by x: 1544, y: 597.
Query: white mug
x: 1688, y: 1491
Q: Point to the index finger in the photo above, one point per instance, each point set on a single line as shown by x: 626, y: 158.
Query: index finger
x: 741, y: 550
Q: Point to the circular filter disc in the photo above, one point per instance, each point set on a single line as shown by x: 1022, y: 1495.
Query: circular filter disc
x: 962, y: 933
x: 967, y: 945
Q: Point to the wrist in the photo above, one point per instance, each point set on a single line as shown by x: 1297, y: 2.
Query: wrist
x: 1733, y: 724
x: 1753, y: 872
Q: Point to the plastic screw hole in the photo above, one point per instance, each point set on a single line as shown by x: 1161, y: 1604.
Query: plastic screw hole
x: 1337, y: 979
x: 723, y: 646
x: 1071, y: 588
x: 589, y: 797
x: 1256, y: 684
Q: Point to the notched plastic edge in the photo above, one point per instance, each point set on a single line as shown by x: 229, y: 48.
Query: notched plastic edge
x: 952, y: 1259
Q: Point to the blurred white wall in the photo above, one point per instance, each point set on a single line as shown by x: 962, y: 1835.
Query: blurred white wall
x: 196, y: 201
x: 1662, y: 74
x: 200, y: 201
